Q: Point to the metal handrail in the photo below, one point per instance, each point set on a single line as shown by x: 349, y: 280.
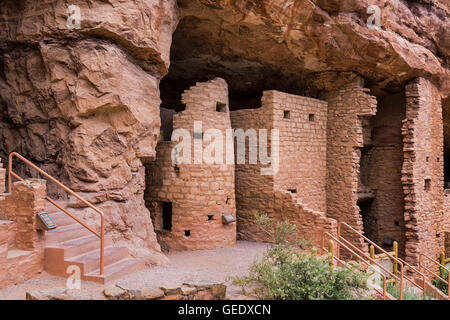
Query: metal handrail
x: 383, y: 293
x: 432, y: 272
x: 399, y: 261
x: 100, y: 235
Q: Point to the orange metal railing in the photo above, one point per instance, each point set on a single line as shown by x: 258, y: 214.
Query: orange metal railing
x: 399, y: 263
x: 438, y: 276
x: 403, y: 265
x: 370, y: 264
x: 100, y: 235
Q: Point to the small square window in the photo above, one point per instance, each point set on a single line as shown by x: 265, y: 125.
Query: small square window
x: 187, y: 233
x: 311, y: 117
x: 286, y: 114
x: 427, y: 185
x: 210, y: 217
x: 221, y: 107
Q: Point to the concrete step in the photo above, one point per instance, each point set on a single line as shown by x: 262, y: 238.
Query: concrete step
x: 116, y: 270
x: 79, y: 246
x: 91, y: 261
x: 66, y: 233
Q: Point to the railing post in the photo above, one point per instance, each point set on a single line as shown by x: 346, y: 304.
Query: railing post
x: 395, y: 245
x: 372, y: 252
x: 442, y: 258
x: 331, y: 251
x: 338, y: 247
x: 102, y: 245
x: 9, y: 173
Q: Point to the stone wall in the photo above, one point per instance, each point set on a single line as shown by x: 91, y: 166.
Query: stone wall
x: 303, y: 145
x: 423, y: 171
x: 296, y: 191
x: 21, y: 245
x: 346, y: 110
x: 200, y: 193
x: 381, y: 167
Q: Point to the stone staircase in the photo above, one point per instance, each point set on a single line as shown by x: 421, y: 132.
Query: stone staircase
x: 70, y: 244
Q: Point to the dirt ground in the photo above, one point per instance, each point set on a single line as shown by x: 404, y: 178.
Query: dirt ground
x: 196, y: 267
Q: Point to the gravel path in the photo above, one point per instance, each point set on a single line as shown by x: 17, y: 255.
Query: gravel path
x: 196, y: 267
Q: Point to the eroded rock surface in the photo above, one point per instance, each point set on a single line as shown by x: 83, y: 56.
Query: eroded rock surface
x: 84, y: 103
x: 305, y: 46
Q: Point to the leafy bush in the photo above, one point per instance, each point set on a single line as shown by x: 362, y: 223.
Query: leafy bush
x: 287, y: 273
x: 441, y: 285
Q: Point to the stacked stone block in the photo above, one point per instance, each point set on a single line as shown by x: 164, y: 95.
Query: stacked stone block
x: 296, y: 192
x: 200, y: 193
x: 347, y: 109
x: 422, y: 172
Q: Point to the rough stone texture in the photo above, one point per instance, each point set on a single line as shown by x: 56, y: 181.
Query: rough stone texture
x: 304, y: 45
x: 302, y: 167
x: 21, y: 206
x: 21, y: 248
x: 346, y: 109
x: 201, y: 192
x: 423, y: 171
x: 84, y: 103
x: 381, y: 172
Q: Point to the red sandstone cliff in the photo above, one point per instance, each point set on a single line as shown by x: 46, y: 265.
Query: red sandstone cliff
x: 84, y: 103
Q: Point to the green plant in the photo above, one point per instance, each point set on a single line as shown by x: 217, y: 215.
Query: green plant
x: 286, y: 273
x: 442, y: 285
x: 408, y: 292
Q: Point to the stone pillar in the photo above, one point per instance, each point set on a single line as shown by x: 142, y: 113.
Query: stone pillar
x: 26, y: 200
x: 346, y: 110
x: 423, y: 171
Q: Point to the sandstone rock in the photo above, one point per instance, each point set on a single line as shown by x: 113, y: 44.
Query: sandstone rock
x: 315, y: 37
x: 171, y: 290
x: 151, y: 293
x: 116, y: 293
x: 188, y: 290
x: 87, y: 110
x: 51, y: 294
x: 219, y: 291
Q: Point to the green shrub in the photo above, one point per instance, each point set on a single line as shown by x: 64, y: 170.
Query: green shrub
x: 441, y: 285
x: 286, y: 273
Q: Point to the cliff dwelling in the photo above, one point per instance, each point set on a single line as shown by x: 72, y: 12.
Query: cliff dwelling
x: 356, y: 119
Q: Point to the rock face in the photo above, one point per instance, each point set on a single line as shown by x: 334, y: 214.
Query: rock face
x: 84, y: 103
x: 305, y: 46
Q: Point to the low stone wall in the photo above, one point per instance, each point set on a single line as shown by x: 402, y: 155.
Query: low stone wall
x: 21, y: 245
x: 186, y: 291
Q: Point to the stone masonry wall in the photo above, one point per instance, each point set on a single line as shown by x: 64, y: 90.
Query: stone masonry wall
x: 200, y: 193
x: 303, y: 141
x: 423, y: 171
x: 346, y: 109
x: 21, y: 245
x: 381, y: 168
x: 302, y: 167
